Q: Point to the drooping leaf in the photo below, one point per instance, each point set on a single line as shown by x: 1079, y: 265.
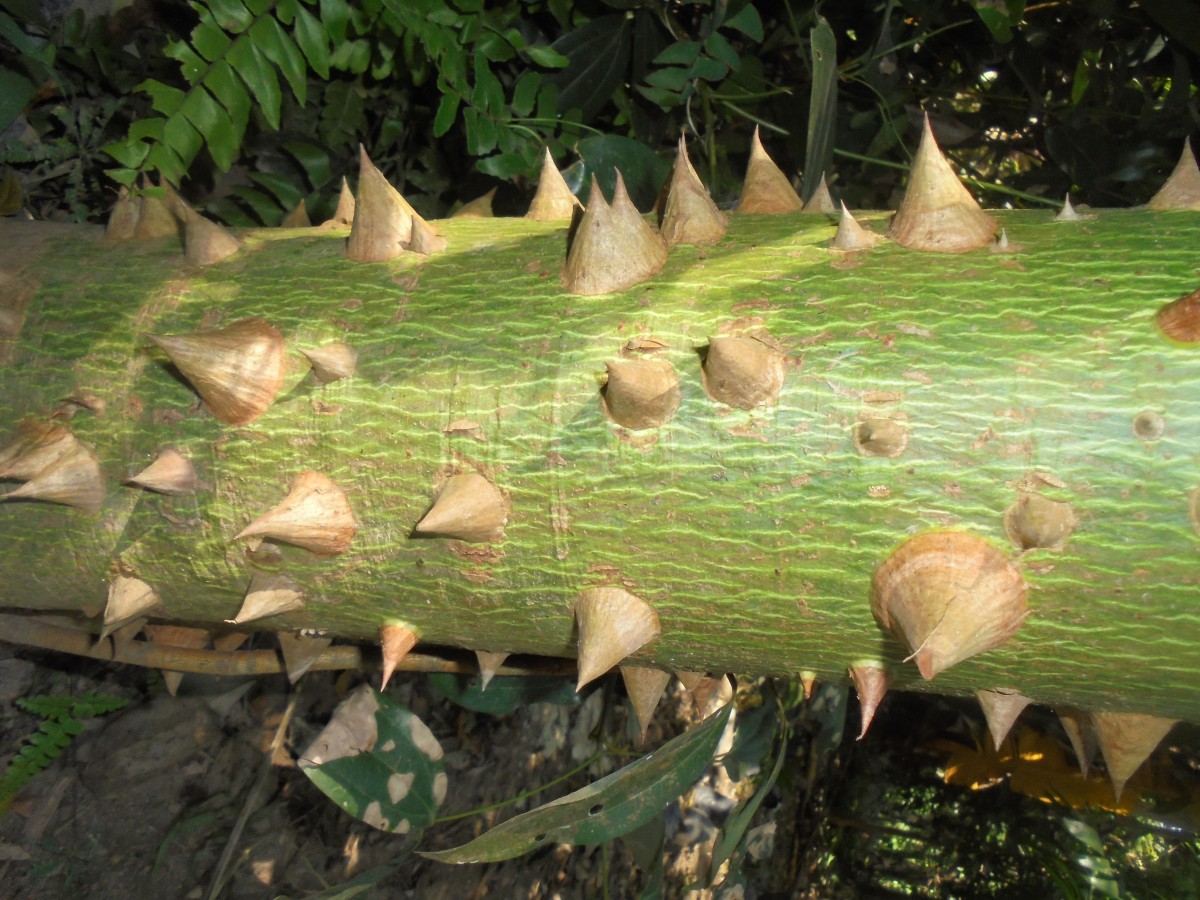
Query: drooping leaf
x: 747, y: 21
x: 599, y: 56
x: 730, y: 839
x: 822, y: 107
x: 504, y: 694
x: 643, y: 170
x: 379, y: 762
x: 605, y: 809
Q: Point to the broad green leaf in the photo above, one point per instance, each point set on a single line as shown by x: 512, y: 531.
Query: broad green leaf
x: 446, y: 113
x: 313, y: 41
x: 335, y: 15
x: 503, y: 165
x: 643, y: 170
x: 285, y: 10
x: 999, y: 16
x: 275, y: 43
x: 209, y: 39
x: 166, y: 99
x: 747, y: 21
x: 504, y: 693
x: 489, y: 93
x: 599, y: 56
x: 254, y: 69
x: 166, y: 162
x: 605, y: 809
x: 260, y: 203
x: 191, y: 63
x: 660, y: 96
x: 313, y: 160
x: 379, y: 762
x: 183, y: 139
x: 546, y: 56
x: 15, y: 92
x: 151, y: 128
x: 285, y: 191
x: 495, y: 47
x: 671, y: 78
x: 231, y: 15
x: 351, y: 56
x: 718, y: 46
x: 524, y: 94
x: 681, y: 53
x: 122, y: 176
x: 228, y: 89
x: 709, y: 69
x: 214, y: 124
x: 822, y: 107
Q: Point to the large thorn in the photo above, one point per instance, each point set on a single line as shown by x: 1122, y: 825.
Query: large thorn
x: 690, y: 216
x: 744, y: 372
x: 640, y: 393
x: 613, y: 623
x: 237, y: 370
x: 614, y: 247
x: 128, y: 599
x: 871, y: 684
x: 489, y: 665
x: 382, y: 217
x: 1001, y: 708
x: 938, y: 214
x: 396, y: 640
x: 268, y: 595
x: 1182, y: 188
x: 73, y: 479
x: 300, y: 651
x: 948, y: 595
x: 852, y: 236
x: 332, y: 362
x: 766, y: 189
x: 468, y: 507
x: 645, y: 687
x: 1126, y: 739
x: 314, y: 515
x: 553, y: 201
x: 170, y: 473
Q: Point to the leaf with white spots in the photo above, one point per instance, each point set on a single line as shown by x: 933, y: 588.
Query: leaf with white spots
x: 608, y: 808
x: 378, y: 762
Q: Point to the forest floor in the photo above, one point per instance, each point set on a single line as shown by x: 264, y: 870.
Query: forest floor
x: 144, y: 801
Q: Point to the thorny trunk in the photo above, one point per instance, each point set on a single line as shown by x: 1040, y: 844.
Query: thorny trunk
x: 921, y: 392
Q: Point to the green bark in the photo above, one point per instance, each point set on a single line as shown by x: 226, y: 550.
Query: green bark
x: 754, y: 535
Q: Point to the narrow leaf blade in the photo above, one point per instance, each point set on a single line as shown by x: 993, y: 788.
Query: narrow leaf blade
x: 608, y: 808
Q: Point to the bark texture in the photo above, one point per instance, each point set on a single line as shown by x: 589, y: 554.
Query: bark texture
x: 921, y: 392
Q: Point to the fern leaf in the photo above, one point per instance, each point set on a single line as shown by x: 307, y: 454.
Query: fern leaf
x: 269, y: 37
x: 258, y: 74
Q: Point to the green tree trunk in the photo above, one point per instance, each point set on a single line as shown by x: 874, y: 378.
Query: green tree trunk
x: 753, y: 534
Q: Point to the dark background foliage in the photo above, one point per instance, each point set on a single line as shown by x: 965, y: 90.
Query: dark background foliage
x: 1032, y: 100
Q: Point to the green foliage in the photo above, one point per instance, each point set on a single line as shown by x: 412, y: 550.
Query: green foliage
x: 61, y: 722
x: 394, y: 783
x: 613, y: 806
x: 504, y: 694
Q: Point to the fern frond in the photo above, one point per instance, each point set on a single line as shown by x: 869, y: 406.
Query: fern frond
x: 231, y: 64
x: 61, y: 715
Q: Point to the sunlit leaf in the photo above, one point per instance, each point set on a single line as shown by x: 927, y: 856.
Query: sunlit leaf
x: 378, y: 762
x: 605, y: 809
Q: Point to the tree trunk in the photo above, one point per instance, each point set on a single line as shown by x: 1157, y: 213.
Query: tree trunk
x: 984, y: 379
